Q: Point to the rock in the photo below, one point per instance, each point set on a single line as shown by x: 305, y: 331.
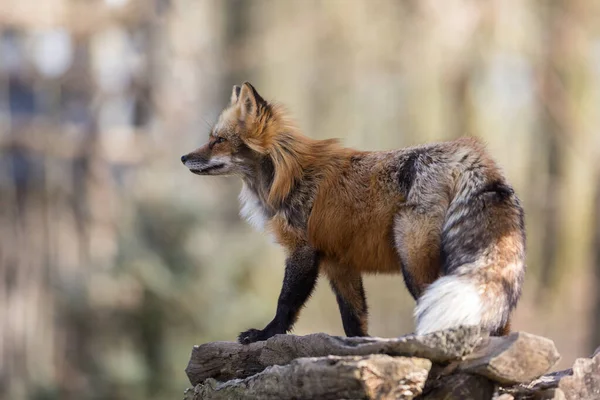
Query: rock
x: 228, y: 360
x: 223, y: 361
x: 516, y: 358
x: 584, y: 383
x: 580, y: 382
x: 550, y: 394
x: 458, y: 387
x: 454, y: 364
x: 188, y: 394
x: 333, y: 377
x: 544, y: 384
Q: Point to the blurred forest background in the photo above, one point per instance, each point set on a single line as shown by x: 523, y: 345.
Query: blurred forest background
x: 115, y: 260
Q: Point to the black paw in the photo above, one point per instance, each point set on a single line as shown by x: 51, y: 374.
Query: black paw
x: 252, y: 335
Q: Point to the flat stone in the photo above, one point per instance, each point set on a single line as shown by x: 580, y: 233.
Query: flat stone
x: 517, y: 358
x: 229, y: 360
x: 353, y: 377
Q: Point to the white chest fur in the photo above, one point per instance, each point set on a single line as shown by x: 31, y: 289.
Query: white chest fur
x: 251, y: 208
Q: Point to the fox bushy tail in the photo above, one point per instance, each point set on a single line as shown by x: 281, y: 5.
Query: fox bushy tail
x: 482, y: 252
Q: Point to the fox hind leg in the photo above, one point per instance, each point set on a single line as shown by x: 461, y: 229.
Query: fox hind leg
x: 417, y: 240
x: 350, y: 294
x: 504, y: 330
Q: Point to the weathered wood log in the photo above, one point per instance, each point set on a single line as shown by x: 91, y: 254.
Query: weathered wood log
x: 517, y: 358
x: 351, y: 377
x: 228, y: 360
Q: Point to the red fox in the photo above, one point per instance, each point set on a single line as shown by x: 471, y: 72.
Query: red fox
x: 441, y: 214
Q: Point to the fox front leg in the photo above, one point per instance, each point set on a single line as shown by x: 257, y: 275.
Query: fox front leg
x: 301, y: 271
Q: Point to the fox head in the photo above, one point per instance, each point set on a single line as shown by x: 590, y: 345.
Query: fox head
x: 255, y: 139
x: 239, y: 138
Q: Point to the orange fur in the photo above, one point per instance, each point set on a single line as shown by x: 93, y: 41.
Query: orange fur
x: 292, y: 153
x: 352, y: 221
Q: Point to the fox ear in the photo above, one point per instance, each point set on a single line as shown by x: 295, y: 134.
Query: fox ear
x: 249, y: 101
x: 235, y: 94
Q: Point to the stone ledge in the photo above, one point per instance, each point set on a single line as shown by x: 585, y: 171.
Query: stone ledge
x: 454, y: 364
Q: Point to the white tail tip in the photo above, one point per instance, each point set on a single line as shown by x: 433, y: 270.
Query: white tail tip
x: 449, y: 302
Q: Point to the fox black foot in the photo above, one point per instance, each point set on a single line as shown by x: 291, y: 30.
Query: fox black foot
x: 253, y: 335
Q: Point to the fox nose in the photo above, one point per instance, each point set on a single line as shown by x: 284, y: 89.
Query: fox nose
x: 184, y: 159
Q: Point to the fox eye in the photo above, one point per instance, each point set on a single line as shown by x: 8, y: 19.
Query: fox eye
x: 220, y: 139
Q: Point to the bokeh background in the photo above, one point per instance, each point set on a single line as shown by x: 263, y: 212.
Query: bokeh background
x: 115, y: 260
